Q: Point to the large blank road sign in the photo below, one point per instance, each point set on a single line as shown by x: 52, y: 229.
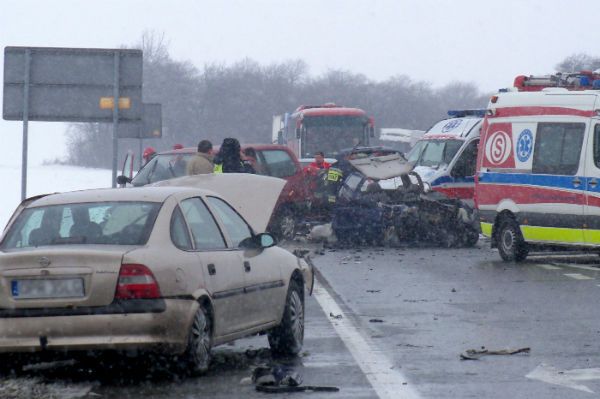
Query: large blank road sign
x: 150, y: 126
x: 72, y: 84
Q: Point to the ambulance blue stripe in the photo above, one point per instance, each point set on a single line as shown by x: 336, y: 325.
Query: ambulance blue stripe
x: 448, y: 179
x: 550, y: 181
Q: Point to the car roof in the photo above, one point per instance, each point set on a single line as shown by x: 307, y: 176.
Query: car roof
x: 259, y: 147
x: 143, y: 194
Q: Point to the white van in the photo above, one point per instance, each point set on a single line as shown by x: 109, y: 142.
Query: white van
x: 538, y: 171
x: 445, y: 156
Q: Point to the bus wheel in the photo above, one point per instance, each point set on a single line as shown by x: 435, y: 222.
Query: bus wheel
x: 511, y: 245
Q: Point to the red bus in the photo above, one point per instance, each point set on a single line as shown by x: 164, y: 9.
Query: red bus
x: 328, y: 128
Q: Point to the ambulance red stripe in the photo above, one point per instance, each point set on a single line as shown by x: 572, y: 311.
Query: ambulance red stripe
x: 530, y: 111
x: 492, y: 194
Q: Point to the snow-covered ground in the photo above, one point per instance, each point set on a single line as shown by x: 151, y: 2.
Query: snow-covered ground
x: 43, y: 179
x: 47, y: 143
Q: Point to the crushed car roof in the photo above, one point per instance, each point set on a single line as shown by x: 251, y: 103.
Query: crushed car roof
x: 382, y: 167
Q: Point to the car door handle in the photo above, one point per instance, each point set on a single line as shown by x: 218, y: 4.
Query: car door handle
x: 211, y: 269
x: 593, y: 183
x: 576, y: 182
x: 247, y: 267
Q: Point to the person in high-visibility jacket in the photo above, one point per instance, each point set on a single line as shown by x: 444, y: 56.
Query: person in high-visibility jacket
x: 229, y: 159
x: 333, y: 180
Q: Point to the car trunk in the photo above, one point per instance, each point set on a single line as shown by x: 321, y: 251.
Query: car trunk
x: 55, y: 277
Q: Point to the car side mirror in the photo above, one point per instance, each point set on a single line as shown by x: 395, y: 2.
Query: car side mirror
x: 123, y: 180
x: 258, y: 241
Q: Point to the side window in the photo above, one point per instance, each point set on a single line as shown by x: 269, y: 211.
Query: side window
x: 179, y: 232
x: 465, y: 165
x: 205, y: 232
x: 597, y: 146
x: 279, y: 163
x: 557, y: 148
x: 236, y: 227
x: 34, y: 222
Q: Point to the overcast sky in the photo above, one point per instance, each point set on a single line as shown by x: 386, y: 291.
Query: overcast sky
x: 484, y: 42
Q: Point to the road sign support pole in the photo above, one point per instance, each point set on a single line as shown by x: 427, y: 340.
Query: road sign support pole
x: 115, y: 138
x: 25, y: 124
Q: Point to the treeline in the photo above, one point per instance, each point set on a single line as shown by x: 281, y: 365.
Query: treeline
x: 239, y: 100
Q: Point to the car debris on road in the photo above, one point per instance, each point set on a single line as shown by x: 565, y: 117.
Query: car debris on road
x: 476, y: 354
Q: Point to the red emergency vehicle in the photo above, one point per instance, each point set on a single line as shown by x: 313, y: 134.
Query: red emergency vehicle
x: 328, y: 128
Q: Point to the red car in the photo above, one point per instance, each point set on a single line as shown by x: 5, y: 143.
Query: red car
x: 272, y: 160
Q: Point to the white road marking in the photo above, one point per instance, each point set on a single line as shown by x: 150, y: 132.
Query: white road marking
x: 565, y: 378
x: 387, y: 382
x: 578, y: 276
x: 582, y: 267
x: 548, y: 267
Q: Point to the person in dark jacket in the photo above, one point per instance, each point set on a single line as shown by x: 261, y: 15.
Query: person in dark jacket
x: 229, y: 159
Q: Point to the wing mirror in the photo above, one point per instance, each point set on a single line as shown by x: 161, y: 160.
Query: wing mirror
x: 258, y: 241
x: 123, y: 180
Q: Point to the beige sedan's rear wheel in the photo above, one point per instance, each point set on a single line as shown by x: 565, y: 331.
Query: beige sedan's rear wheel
x: 197, y: 355
x: 287, y: 339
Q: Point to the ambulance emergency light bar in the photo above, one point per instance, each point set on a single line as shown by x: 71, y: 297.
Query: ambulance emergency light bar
x: 584, y: 80
x: 461, y: 113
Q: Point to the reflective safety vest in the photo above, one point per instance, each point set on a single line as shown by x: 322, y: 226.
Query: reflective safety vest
x: 334, y: 175
x: 332, y: 182
x: 218, y: 168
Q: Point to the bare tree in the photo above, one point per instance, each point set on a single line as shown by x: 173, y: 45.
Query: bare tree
x: 578, y: 62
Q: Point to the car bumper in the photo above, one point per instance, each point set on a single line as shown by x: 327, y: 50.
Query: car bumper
x: 164, y: 331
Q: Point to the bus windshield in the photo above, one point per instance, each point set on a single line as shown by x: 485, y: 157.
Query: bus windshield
x: 434, y: 153
x: 330, y: 134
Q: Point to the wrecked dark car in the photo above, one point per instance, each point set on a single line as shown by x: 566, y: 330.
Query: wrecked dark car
x: 380, y: 199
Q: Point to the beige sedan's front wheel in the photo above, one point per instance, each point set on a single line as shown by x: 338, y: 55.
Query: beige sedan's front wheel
x: 288, y: 337
x: 197, y: 355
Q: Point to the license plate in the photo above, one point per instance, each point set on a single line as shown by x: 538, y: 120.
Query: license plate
x: 51, y: 288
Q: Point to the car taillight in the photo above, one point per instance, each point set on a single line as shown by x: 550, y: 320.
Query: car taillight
x: 136, y: 282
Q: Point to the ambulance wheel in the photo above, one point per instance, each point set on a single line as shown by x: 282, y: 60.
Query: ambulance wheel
x: 511, y: 245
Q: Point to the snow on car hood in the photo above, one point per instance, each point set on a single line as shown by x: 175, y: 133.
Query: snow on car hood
x: 429, y: 174
x: 383, y: 167
x: 253, y: 196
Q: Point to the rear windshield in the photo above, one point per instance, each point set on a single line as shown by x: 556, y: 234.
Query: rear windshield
x: 110, y: 223
x: 163, y: 167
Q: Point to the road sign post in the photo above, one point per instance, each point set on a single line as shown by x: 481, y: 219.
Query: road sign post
x: 26, y: 78
x: 115, y: 138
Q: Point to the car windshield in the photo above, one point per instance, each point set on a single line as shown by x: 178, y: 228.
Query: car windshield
x: 434, y: 153
x: 114, y: 223
x: 163, y: 167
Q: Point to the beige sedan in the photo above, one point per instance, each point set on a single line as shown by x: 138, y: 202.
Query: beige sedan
x: 170, y: 269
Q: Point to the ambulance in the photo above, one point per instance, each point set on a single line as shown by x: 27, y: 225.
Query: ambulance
x: 445, y: 157
x: 538, y: 168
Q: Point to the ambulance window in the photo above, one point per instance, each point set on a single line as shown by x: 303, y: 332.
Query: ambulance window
x: 557, y: 148
x: 597, y: 145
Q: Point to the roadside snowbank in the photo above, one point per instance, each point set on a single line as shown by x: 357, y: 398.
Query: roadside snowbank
x: 42, y: 179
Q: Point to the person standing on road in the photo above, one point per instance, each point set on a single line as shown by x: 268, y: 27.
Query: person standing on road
x: 229, y: 159
x: 320, y: 162
x: 202, y: 163
x: 148, y: 154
